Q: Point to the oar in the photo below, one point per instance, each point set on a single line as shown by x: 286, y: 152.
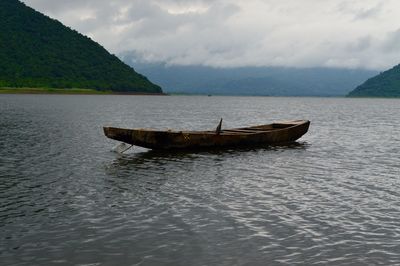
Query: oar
x: 218, y: 129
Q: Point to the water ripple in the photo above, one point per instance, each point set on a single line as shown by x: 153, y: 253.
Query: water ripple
x: 67, y: 199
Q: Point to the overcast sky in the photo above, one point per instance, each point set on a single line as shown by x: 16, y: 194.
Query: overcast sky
x: 228, y: 33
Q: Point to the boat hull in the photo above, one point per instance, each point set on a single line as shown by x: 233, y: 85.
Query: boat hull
x: 276, y: 133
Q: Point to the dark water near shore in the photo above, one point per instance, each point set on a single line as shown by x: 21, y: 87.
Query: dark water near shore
x: 67, y: 199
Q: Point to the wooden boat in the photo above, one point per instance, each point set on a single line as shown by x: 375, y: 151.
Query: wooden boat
x: 262, y: 135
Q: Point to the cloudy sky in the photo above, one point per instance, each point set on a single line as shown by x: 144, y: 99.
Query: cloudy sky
x: 228, y: 33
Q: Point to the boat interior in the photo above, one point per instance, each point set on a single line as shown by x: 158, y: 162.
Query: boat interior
x: 257, y: 129
x: 244, y: 130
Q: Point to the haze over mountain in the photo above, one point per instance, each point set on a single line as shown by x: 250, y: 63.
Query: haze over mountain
x: 37, y: 51
x: 274, y: 81
x: 240, y: 33
x: 386, y: 84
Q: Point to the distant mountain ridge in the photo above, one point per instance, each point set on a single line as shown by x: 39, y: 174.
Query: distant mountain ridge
x: 386, y: 84
x: 273, y: 81
x: 37, y: 51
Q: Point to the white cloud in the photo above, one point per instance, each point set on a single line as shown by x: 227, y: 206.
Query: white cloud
x: 301, y: 33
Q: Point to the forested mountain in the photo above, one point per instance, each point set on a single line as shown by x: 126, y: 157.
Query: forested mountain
x: 37, y: 51
x: 386, y: 84
x: 274, y: 81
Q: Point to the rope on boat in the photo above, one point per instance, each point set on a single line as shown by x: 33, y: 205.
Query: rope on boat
x: 127, y: 149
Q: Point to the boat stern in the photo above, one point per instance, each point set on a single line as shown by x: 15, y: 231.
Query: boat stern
x: 118, y: 134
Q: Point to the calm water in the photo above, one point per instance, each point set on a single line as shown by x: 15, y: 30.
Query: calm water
x: 67, y: 199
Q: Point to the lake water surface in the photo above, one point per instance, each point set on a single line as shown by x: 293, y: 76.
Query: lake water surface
x: 67, y: 199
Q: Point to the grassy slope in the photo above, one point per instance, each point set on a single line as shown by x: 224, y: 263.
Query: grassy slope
x: 37, y: 51
x: 386, y: 84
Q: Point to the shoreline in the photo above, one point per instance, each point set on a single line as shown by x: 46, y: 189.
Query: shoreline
x: 73, y: 91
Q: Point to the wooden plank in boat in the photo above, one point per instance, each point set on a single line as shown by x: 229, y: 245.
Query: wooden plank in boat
x: 242, y: 130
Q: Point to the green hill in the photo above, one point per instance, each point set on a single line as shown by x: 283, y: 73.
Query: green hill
x: 37, y: 51
x: 386, y: 84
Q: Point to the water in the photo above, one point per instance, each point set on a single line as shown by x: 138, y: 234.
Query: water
x: 67, y: 199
